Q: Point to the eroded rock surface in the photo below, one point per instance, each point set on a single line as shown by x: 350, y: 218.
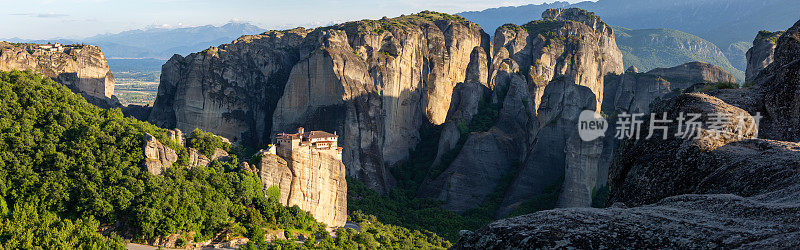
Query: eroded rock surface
x: 313, y: 180
x: 157, y: 156
x: 761, y: 54
x: 712, y: 192
x: 779, y: 84
x: 82, y: 68
x: 375, y: 82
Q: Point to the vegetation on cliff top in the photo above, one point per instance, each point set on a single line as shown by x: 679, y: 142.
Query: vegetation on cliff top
x: 385, y: 24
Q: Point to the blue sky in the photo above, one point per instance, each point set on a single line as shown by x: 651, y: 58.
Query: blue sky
x: 45, y: 19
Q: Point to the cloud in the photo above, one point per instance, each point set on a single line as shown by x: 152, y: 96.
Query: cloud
x: 41, y: 15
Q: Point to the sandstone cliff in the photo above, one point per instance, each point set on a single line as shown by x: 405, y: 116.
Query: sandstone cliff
x: 736, y: 191
x: 230, y: 90
x: 574, y: 51
x: 82, y: 68
x: 543, y: 73
x: 373, y: 81
x: 314, y: 180
x: 761, y: 54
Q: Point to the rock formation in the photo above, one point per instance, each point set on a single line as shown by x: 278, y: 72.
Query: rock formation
x: 570, y: 49
x: 728, y: 188
x: 761, y: 54
x: 375, y: 82
x: 230, y: 90
x: 574, y: 50
x: 684, y: 76
x: 723, y: 189
x: 314, y: 180
x: 157, y: 157
x: 779, y: 84
x: 82, y: 68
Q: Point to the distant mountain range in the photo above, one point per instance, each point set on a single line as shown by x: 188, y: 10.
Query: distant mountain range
x: 161, y: 43
x: 661, y: 48
x: 730, y: 24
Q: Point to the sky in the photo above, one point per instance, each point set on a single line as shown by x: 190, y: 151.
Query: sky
x: 75, y: 19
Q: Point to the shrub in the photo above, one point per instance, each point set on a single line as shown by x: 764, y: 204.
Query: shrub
x: 206, y: 143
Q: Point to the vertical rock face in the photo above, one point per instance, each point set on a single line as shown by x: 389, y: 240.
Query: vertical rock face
x: 558, y: 149
x: 761, y: 54
x: 780, y: 84
x: 230, y: 90
x: 571, y: 52
x: 82, y: 68
x: 314, y: 180
x: 485, y: 156
x: 375, y: 82
x: 544, y: 73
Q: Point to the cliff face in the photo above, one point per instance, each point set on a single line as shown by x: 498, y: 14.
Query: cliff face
x: 375, y: 82
x: 544, y: 74
x: 737, y: 191
x: 574, y: 51
x: 230, y: 90
x: 82, y: 68
x: 761, y: 54
x: 314, y: 180
x: 779, y: 84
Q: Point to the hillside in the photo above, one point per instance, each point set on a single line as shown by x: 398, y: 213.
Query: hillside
x: 660, y: 48
x: 70, y: 177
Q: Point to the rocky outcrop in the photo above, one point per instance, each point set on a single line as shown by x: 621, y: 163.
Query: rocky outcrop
x: 82, y: 68
x: 761, y: 54
x: 570, y: 42
x: 313, y: 180
x: 779, y: 84
x: 708, y: 192
x: 686, y: 75
x: 463, y: 106
x: 637, y: 176
x: 375, y: 82
x: 157, y: 156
